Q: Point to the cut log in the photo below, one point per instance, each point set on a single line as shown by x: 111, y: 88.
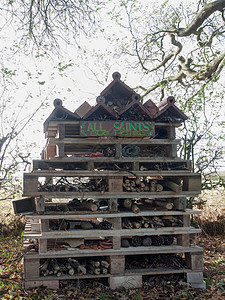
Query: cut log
x: 59, y: 274
x: 45, y: 265
x: 164, y: 204
x: 104, y: 270
x: 105, y: 264
x: 95, y: 263
x: 46, y: 273
x: 173, y: 186
x: 136, y: 224
x: 146, y: 224
x: 89, y: 205
x: 127, y: 203
x: 54, y: 264
x: 157, y: 222
x: 158, y: 187
x: 81, y: 270
x: 135, y: 209
x: 127, y: 224
x: 93, y: 270
x: 71, y: 271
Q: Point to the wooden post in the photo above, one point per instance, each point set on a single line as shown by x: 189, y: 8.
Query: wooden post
x: 136, y: 165
x: 31, y: 268
x: 43, y: 246
x: 118, y: 150
x: 40, y: 204
x: 117, y: 264
x: 184, y: 239
x: 194, y: 260
x: 180, y: 203
x: 90, y: 166
x: 116, y: 239
x: 36, y: 226
x: 192, y: 183
x: 113, y: 204
x: 115, y: 184
x: 45, y: 225
x: 61, y: 131
x: 171, y: 132
x: 173, y: 150
x: 30, y: 185
x: 60, y: 149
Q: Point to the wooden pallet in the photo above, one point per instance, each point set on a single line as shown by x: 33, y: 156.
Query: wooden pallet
x: 38, y: 227
x: 113, y: 163
x: 118, y: 275
x: 191, y: 183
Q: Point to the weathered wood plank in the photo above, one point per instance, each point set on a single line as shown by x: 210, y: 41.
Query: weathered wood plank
x: 115, y: 184
x: 105, y: 173
x: 79, y: 215
x: 104, y: 233
x: 31, y: 267
x: 110, y: 141
x: 108, y: 195
x: 112, y: 252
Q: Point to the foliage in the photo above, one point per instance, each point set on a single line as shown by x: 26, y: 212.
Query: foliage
x: 30, y: 30
x: 44, y: 23
x: 15, y: 117
x: 172, y: 50
x: 177, y: 50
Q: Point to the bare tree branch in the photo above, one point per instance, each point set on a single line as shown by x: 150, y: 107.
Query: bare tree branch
x: 206, y: 11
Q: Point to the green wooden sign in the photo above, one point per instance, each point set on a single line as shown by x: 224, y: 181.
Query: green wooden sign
x: 117, y: 128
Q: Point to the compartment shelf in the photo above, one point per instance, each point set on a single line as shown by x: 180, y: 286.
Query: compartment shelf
x: 105, y: 214
x: 110, y: 233
x: 113, y: 252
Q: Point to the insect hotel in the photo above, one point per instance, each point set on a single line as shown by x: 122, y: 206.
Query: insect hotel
x: 108, y: 197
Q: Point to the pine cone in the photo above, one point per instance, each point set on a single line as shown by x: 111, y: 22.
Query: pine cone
x: 125, y: 243
x: 136, y: 241
x: 147, y: 241
x: 157, y: 240
x: 168, y: 239
x: 105, y: 225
